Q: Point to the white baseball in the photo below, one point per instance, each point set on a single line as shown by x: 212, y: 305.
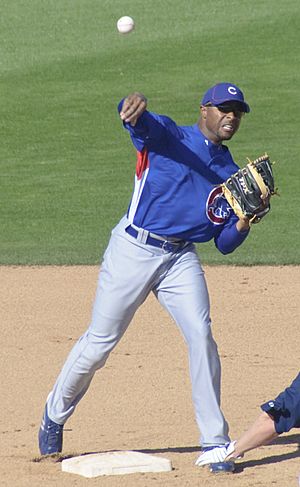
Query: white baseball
x: 125, y: 25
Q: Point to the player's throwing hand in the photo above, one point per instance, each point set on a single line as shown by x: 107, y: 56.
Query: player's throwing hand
x: 133, y: 107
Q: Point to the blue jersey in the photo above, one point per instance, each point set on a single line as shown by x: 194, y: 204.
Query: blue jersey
x: 176, y: 190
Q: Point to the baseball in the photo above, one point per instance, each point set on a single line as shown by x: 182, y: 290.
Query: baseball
x: 125, y: 25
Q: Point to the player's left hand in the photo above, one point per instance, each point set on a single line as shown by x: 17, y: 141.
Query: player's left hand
x: 133, y: 107
x: 249, y: 190
x: 243, y: 224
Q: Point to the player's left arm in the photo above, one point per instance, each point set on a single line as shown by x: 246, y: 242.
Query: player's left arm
x: 232, y: 235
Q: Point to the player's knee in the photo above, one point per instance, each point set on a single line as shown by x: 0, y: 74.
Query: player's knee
x: 199, y: 331
x: 202, y: 327
x: 97, y: 349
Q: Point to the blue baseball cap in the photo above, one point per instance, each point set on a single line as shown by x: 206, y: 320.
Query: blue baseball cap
x: 223, y: 92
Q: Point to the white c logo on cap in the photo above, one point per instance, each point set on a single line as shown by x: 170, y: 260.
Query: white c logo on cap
x: 232, y: 90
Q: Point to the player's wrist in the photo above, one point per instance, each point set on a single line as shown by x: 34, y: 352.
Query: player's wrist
x: 243, y: 225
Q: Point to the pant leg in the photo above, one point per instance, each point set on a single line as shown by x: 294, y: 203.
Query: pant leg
x: 183, y: 292
x: 125, y: 279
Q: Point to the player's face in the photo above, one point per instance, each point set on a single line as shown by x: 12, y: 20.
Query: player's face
x: 220, y: 123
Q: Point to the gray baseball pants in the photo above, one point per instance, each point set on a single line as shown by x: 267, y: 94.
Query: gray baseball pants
x: 129, y: 272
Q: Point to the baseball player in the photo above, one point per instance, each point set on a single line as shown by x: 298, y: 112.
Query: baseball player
x: 176, y: 201
x: 278, y: 416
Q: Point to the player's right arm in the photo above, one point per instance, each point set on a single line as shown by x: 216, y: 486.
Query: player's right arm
x: 145, y: 127
x: 133, y: 107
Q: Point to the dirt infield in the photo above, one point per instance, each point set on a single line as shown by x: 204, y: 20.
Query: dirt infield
x: 141, y: 400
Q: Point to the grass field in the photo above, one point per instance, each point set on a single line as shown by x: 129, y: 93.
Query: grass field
x: 66, y: 163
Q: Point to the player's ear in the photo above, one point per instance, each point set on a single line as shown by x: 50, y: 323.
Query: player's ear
x: 203, y: 111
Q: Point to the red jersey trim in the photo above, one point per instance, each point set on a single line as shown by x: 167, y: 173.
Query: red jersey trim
x: 142, y: 163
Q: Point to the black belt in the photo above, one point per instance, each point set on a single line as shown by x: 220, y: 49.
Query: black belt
x: 157, y: 241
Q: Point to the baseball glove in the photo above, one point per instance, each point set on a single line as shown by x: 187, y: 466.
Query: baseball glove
x: 248, y: 191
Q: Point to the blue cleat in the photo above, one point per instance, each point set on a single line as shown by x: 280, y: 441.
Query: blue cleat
x: 222, y: 467
x: 50, y: 436
x: 218, y: 458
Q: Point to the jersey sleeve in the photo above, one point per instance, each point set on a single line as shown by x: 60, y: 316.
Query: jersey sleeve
x: 150, y: 127
x: 229, y: 238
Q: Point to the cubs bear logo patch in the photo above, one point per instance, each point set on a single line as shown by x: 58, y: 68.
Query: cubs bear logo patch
x: 217, y: 208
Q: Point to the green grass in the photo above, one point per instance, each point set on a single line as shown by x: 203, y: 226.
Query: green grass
x: 66, y: 163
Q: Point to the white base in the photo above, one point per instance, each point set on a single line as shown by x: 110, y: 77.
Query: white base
x: 115, y: 463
